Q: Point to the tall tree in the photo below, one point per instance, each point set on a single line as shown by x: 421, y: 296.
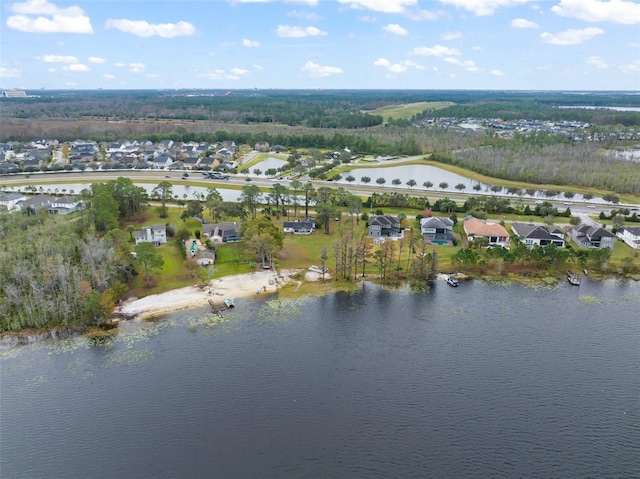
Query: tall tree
x: 148, y: 257
x: 163, y: 192
x: 250, y: 198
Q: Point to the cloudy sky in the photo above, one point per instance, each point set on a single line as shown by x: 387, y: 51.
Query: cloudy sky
x: 356, y: 44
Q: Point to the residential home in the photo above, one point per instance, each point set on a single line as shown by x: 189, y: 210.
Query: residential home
x: 383, y: 226
x: 540, y: 235
x: 206, y: 163
x: 161, y: 162
x: 32, y: 162
x: 304, y: 227
x: 166, y: 144
x: 437, y: 230
x: 9, y: 201
x: 35, y: 204
x: 494, y: 232
x: 630, y: 235
x: 261, y: 146
x: 190, y: 162
x: 156, y: 234
x: 64, y: 205
x: 226, y: 232
x: 588, y: 236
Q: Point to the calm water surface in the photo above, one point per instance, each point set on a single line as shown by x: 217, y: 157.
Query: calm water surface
x: 484, y: 380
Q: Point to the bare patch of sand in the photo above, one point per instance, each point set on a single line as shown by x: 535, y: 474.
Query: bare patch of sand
x: 235, y: 286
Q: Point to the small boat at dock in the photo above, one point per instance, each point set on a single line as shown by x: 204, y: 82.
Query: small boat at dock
x: 453, y: 281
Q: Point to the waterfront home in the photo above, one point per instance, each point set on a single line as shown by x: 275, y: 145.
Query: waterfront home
x: 35, y: 204
x: 495, y: 233
x: 437, y: 230
x: 226, y: 232
x: 64, y: 205
x: 383, y: 226
x: 630, y: 235
x: 304, y: 227
x: 9, y: 201
x: 156, y: 234
x: 540, y: 235
x: 587, y: 236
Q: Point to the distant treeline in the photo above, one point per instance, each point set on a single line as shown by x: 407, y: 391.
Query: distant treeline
x: 324, y: 109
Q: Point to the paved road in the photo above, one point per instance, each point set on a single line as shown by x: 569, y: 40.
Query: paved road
x: 175, y: 177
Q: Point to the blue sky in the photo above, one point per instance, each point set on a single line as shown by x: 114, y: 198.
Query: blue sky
x: 355, y: 44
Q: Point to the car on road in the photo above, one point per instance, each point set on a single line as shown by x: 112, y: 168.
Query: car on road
x: 590, y: 206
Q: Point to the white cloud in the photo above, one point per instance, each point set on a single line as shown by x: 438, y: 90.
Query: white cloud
x: 76, y: 67
x: 451, y: 36
x: 314, y: 70
x: 468, y: 65
x: 571, y: 36
x: 616, y: 11
x: 108, y: 76
x: 250, y: 43
x: 137, y: 67
x: 288, y: 31
x: 10, y: 72
x: 396, y: 29
x: 311, y: 16
x: 58, y: 59
x: 631, y: 67
x: 435, y: 51
x: 597, y: 62
x: 385, y: 6
x: 144, y: 29
x: 40, y: 16
x: 120, y: 65
x: 523, y: 23
x: 483, y: 7
x: 258, y: 67
x: 497, y: 73
x: 97, y: 60
x: 220, y: 74
x: 400, y: 67
x: 239, y: 71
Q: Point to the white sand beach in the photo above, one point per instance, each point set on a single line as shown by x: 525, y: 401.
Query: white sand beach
x: 235, y: 286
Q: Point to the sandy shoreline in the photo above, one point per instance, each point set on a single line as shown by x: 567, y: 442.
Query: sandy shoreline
x: 235, y: 286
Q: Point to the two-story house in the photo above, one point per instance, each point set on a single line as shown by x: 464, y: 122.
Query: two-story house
x: 383, y: 226
x: 630, y: 235
x: 587, y: 236
x: 437, y: 230
x: 156, y: 234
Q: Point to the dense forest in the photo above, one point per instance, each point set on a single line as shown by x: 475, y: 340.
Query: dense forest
x: 581, y: 164
x: 55, y: 273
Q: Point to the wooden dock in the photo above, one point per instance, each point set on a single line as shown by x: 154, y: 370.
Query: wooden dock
x: 573, y: 278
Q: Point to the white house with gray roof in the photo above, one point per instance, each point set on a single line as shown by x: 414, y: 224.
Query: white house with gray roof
x: 630, y: 235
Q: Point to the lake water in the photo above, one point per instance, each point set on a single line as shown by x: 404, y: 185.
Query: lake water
x: 483, y: 380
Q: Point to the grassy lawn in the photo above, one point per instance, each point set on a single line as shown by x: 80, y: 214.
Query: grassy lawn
x: 174, y: 274
x: 407, y: 110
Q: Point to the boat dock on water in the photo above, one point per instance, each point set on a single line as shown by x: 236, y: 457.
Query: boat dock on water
x: 573, y: 278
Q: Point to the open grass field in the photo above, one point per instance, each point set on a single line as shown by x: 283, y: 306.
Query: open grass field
x: 408, y: 110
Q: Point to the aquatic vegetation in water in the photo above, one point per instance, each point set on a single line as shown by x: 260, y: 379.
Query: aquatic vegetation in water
x: 130, y: 358
x: 280, y: 311
x: 589, y: 299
